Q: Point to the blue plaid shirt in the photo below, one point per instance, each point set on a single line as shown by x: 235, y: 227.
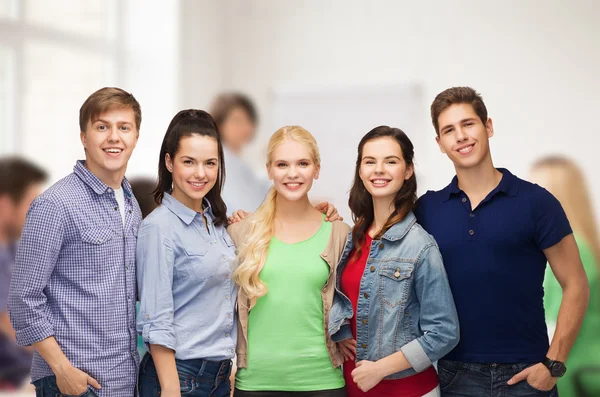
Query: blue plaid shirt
x: 74, y: 279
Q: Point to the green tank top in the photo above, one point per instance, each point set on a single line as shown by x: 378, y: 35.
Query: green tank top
x: 286, y: 337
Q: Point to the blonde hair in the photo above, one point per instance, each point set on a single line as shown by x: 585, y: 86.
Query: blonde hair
x: 253, y: 253
x: 568, y: 185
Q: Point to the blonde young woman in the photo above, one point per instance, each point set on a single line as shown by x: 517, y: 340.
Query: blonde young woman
x: 287, y: 259
x: 565, y: 181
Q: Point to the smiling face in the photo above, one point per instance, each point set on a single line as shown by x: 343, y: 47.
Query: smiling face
x: 383, y: 169
x: 463, y: 137
x: 292, y: 169
x: 109, y: 140
x: 195, y: 169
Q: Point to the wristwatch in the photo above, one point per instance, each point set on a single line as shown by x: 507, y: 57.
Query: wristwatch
x: 557, y: 368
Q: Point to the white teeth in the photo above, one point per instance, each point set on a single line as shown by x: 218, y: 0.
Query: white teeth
x: 197, y: 184
x: 113, y: 150
x: 379, y: 182
x: 292, y: 184
x: 466, y: 149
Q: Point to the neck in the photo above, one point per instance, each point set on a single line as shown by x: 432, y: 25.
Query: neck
x: 4, y: 238
x: 479, y: 180
x: 382, y: 209
x: 235, y: 149
x: 194, y: 205
x: 292, y: 211
x: 113, y: 179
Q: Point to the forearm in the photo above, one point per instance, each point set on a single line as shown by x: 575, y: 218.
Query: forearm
x: 52, y: 354
x: 393, y: 363
x: 5, y: 328
x: 164, y: 361
x: 570, y: 316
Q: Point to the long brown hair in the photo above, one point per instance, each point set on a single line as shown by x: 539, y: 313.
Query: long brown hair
x: 361, y: 201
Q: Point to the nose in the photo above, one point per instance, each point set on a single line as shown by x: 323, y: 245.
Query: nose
x: 292, y: 171
x: 379, y: 167
x: 460, y: 135
x: 114, y: 136
x: 200, y: 173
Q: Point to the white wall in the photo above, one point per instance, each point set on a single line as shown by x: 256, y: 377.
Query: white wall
x: 536, y: 63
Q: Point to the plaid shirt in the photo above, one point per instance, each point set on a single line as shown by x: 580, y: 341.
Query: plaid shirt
x: 74, y: 279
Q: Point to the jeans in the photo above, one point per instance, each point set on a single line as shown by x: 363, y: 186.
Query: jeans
x: 46, y: 387
x: 197, y: 378
x: 458, y: 379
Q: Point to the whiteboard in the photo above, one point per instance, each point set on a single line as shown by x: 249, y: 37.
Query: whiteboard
x: 338, y: 117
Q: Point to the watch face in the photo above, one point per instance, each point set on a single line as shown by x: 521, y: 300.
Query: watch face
x: 558, y: 369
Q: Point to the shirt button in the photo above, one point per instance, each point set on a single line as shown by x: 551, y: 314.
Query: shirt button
x: 364, y: 345
x: 130, y: 211
x: 372, y: 269
x: 381, y: 246
x: 471, y: 232
x: 116, y: 208
x: 365, y: 321
x: 472, y: 215
x: 228, y: 315
x: 366, y: 295
x: 227, y: 334
x: 224, y: 257
x: 109, y: 190
x: 464, y: 200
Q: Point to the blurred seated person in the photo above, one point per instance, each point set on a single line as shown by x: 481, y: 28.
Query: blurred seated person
x: 566, y: 182
x: 20, y: 183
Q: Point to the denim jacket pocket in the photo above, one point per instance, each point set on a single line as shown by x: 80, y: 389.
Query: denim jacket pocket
x: 394, y: 283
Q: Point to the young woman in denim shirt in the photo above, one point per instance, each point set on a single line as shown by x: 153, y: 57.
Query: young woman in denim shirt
x: 393, y: 307
x: 184, y: 263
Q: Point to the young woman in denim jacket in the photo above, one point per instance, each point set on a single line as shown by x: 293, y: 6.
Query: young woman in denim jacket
x: 393, y: 307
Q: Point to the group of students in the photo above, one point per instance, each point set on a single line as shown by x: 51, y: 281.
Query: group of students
x: 305, y: 304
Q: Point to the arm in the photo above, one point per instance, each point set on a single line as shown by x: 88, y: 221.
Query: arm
x: 438, y: 321
x: 154, y: 263
x: 567, y: 267
x: 39, y: 248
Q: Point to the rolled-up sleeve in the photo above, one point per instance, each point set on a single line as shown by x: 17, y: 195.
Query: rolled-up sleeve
x: 37, y: 253
x: 438, y: 319
x: 154, y: 262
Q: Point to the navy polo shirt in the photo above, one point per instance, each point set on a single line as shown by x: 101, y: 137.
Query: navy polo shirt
x: 495, y: 264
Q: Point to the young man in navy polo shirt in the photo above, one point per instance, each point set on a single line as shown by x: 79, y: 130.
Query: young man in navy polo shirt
x: 496, y: 232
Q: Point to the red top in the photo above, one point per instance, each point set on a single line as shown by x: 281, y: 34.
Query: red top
x: 413, y: 386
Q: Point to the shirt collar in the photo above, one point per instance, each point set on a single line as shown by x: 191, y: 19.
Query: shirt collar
x: 184, y: 213
x: 99, y: 187
x: 508, y: 185
x: 399, y: 230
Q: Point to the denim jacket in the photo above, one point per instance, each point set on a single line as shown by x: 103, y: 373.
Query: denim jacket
x: 405, y: 303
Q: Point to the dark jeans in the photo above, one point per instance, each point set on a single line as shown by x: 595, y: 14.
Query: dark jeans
x: 458, y: 379
x: 46, y: 387
x: 319, y: 393
x: 197, y: 378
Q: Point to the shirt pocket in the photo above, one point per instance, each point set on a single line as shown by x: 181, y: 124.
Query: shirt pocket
x: 196, y: 263
x: 394, y: 283
x: 98, y: 251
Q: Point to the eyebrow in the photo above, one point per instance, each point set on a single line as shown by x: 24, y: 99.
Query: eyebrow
x: 385, y: 158
x: 285, y: 161
x: 108, y: 122
x: 193, y: 158
x: 460, y: 122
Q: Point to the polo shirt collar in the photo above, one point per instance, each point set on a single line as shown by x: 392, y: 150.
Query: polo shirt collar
x: 508, y: 185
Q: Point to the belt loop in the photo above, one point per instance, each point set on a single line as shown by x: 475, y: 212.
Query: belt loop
x: 201, y: 370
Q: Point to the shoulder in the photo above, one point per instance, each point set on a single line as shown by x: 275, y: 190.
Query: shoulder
x: 239, y: 229
x: 340, y: 229
x: 159, y: 219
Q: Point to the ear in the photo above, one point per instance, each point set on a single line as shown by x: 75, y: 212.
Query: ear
x: 409, y: 172
x: 83, y: 138
x: 318, y: 170
x: 169, y: 162
x: 438, y: 141
x: 489, y: 126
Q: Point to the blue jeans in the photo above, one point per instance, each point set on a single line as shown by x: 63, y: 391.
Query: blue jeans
x: 197, y: 378
x: 46, y: 387
x: 458, y: 379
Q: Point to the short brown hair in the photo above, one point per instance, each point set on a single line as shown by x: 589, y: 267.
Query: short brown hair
x: 106, y: 99
x: 453, y: 96
x: 225, y: 102
x: 17, y: 175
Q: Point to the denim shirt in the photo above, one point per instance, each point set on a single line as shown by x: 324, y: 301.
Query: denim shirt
x: 405, y: 303
x: 187, y: 297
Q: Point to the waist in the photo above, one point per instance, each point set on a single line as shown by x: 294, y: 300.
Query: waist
x: 194, y: 368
